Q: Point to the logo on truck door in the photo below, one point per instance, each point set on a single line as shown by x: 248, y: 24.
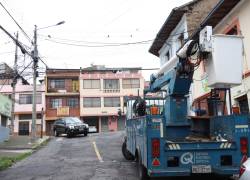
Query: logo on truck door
x: 187, y: 158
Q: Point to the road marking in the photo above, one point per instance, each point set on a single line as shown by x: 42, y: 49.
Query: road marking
x: 59, y: 139
x: 97, y: 152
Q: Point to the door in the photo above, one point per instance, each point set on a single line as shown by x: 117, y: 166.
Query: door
x: 121, y: 123
x: 75, y: 86
x: 104, y: 124
x: 23, y: 128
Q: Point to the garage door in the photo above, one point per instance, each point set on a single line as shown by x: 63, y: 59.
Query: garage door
x: 120, y: 123
x: 104, y: 124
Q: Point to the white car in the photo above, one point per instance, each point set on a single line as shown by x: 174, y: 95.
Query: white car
x: 245, y: 170
x: 92, y: 129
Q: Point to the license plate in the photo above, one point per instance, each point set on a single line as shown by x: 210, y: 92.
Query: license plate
x: 201, y: 169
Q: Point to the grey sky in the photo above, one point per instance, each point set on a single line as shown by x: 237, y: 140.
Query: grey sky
x: 87, y: 21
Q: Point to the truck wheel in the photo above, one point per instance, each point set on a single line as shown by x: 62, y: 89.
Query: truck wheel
x: 142, y: 171
x: 85, y: 133
x: 69, y: 135
x: 127, y: 155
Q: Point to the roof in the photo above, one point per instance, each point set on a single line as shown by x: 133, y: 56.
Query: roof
x: 169, y: 25
x: 216, y: 15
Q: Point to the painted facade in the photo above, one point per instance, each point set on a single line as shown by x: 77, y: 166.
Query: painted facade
x: 102, y: 95
x: 235, y: 22
x: 23, y: 107
x: 62, y: 95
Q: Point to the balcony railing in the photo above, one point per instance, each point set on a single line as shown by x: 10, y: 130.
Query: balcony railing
x: 111, y: 90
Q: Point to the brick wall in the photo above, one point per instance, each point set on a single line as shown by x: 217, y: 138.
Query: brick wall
x: 198, y: 13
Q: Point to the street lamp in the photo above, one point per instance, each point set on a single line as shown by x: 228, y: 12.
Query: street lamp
x: 35, y: 61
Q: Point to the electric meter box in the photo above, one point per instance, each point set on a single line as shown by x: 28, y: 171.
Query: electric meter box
x: 224, y: 64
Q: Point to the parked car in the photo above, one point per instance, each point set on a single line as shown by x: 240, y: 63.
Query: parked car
x: 71, y: 126
x: 245, y: 170
x: 92, y: 129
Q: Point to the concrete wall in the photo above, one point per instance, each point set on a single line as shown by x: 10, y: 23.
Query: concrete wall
x: 238, y: 16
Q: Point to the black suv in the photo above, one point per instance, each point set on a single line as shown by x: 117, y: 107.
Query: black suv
x: 71, y: 126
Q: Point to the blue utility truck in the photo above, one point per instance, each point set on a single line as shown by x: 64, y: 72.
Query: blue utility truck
x: 160, y: 135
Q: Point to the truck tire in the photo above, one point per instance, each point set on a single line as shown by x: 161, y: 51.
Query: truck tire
x: 127, y: 155
x: 142, y: 171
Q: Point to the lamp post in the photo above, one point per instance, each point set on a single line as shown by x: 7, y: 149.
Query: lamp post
x: 35, y: 74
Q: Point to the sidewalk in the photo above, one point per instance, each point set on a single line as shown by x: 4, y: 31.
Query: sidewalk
x: 20, y: 144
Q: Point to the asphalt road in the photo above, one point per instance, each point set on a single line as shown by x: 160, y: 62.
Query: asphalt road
x: 96, y: 157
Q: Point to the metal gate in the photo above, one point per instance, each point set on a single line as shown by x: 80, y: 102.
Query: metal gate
x: 120, y: 123
x: 23, y: 128
x: 104, y: 124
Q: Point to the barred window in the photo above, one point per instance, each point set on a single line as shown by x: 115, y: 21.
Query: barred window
x: 91, y: 84
x: 130, y: 83
x: 92, y: 102
x: 55, y: 103
x: 72, y: 102
x: 57, y: 83
x: 112, y: 102
x: 111, y: 84
x: 27, y: 98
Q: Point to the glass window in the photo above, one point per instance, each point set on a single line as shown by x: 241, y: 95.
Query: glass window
x: 91, y: 102
x: 57, y: 83
x: 72, y: 102
x: 91, y: 84
x: 112, y: 102
x: 111, y: 84
x: 130, y: 83
x: 55, y: 103
x: 27, y: 98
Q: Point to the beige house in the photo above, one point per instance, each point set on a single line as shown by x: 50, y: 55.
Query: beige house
x: 102, y: 92
x: 228, y: 17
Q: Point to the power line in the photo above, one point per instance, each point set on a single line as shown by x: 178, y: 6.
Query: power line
x: 16, y: 22
x: 104, y: 45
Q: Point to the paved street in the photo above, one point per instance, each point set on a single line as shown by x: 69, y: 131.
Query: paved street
x: 96, y: 157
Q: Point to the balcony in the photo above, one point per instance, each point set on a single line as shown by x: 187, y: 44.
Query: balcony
x: 111, y: 90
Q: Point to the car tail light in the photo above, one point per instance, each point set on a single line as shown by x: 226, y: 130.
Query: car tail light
x: 242, y: 170
x: 244, y: 145
x: 155, y: 148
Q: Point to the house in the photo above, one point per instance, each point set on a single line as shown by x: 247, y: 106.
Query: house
x: 22, y: 101
x: 62, y: 95
x: 228, y: 17
x: 182, y: 22
x: 102, y: 92
x: 23, y: 106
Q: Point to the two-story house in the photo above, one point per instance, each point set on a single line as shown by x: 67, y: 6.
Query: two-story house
x: 228, y: 17
x: 62, y: 95
x: 182, y: 22
x: 102, y: 92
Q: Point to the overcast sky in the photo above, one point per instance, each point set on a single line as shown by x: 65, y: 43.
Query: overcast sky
x: 89, y: 23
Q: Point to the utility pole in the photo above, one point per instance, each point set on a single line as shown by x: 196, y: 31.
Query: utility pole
x: 35, y: 61
x: 13, y: 84
x: 42, y: 114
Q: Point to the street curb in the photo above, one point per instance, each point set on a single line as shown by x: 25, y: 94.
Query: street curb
x: 37, y: 145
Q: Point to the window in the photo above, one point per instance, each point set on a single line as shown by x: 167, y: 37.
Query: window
x: 27, y: 98
x: 111, y: 84
x: 112, y: 102
x: 57, y: 83
x: 55, y: 103
x: 130, y: 83
x: 91, y: 102
x: 91, y: 84
x: 72, y: 102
